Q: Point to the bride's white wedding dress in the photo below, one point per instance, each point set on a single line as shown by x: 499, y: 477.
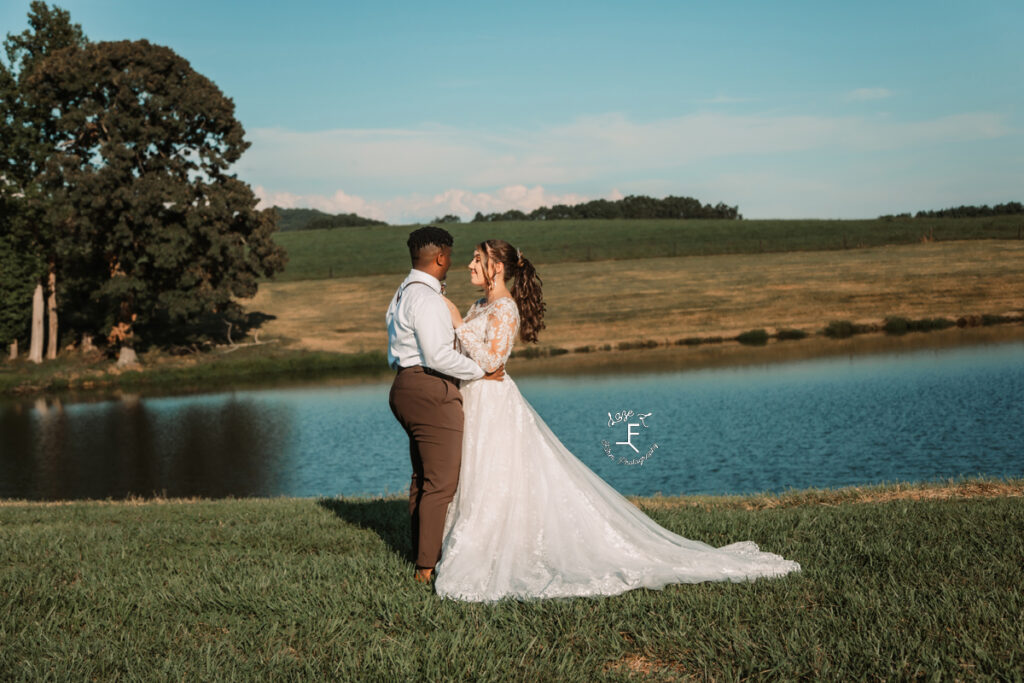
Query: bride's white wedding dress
x: 530, y: 520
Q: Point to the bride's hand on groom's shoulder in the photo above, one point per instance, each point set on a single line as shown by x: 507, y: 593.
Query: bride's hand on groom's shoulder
x: 454, y: 311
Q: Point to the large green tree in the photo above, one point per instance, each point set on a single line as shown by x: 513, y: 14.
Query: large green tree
x: 28, y: 134
x: 20, y: 268
x: 153, y: 225
x: 31, y: 247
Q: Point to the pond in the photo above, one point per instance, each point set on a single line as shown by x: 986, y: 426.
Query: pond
x: 843, y: 421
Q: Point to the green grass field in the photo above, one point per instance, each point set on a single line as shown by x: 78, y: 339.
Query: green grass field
x: 919, y: 586
x: 345, y: 252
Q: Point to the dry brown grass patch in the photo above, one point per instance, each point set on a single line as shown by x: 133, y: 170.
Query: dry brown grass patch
x: 131, y: 501
x: 965, y: 489
x: 636, y: 663
x: 594, y: 303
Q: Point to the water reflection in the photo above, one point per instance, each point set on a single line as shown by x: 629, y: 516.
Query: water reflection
x: 916, y: 416
x: 173, y: 447
x: 821, y: 423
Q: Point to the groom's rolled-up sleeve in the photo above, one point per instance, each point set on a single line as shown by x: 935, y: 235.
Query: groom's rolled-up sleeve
x: 436, y: 336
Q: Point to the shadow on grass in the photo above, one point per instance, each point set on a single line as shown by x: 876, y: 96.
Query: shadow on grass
x: 387, y: 518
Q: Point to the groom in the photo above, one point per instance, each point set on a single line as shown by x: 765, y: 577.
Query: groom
x: 425, y: 395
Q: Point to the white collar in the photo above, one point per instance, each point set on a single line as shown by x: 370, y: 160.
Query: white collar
x: 416, y: 275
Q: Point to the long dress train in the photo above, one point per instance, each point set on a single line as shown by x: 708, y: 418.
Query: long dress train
x: 530, y: 520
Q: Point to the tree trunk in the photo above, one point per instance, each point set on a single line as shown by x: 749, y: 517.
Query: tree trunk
x: 14, y: 350
x: 51, y: 314
x: 35, y: 353
x: 127, y: 358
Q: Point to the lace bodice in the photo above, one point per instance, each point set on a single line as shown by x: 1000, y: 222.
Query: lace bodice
x: 488, y: 332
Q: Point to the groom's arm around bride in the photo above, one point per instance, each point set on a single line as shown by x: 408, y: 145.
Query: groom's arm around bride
x: 425, y: 397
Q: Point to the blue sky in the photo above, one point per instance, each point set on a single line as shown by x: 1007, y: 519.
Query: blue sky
x: 406, y: 111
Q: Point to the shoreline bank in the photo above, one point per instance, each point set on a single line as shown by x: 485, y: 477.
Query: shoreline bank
x: 943, y: 489
x: 282, y: 368
x: 735, y: 354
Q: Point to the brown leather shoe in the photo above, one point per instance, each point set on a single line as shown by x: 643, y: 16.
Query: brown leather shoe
x: 424, y: 575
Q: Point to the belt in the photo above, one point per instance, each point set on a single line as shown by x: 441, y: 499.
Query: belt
x: 430, y: 371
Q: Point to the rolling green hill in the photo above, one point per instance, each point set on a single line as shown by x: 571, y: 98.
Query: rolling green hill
x: 290, y: 220
x: 369, y: 250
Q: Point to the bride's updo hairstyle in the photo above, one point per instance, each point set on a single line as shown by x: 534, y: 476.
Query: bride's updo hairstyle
x: 526, y: 290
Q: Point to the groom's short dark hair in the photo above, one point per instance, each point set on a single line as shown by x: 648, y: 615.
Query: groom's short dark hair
x: 426, y: 236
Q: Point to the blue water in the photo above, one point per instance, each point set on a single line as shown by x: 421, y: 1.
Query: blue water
x: 823, y: 423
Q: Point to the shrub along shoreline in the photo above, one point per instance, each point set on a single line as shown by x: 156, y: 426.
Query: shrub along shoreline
x: 78, y: 376
x: 836, y: 329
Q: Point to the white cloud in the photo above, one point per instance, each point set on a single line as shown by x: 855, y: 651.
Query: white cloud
x: 409, y: 160
x: 613, y: 140
x: 339, y: 202
x: 862, y: 94
x: 419, y: 208
x: 412, y: 175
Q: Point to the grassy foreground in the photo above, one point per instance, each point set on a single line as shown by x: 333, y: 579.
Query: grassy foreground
x: 924, y: 582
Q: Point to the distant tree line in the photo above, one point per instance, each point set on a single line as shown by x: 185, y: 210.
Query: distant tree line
x: 314, y: 219
x: 120, y: 221
x: 1007, y: 209
x: 633, y: 206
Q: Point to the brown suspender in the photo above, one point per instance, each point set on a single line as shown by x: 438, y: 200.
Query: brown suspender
x: 455, y: 342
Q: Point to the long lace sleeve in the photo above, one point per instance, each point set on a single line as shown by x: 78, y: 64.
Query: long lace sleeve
x: 488, y: 337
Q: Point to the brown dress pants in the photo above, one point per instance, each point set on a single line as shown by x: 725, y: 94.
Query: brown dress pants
x: 429, y: 408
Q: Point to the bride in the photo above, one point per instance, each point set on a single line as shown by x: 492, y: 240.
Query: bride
x: 529, y: 519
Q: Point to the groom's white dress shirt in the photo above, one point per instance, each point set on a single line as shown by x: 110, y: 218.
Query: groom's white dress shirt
x: 420, y: 329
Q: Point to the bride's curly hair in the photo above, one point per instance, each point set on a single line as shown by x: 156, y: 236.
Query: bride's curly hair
x: 526, y: 290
